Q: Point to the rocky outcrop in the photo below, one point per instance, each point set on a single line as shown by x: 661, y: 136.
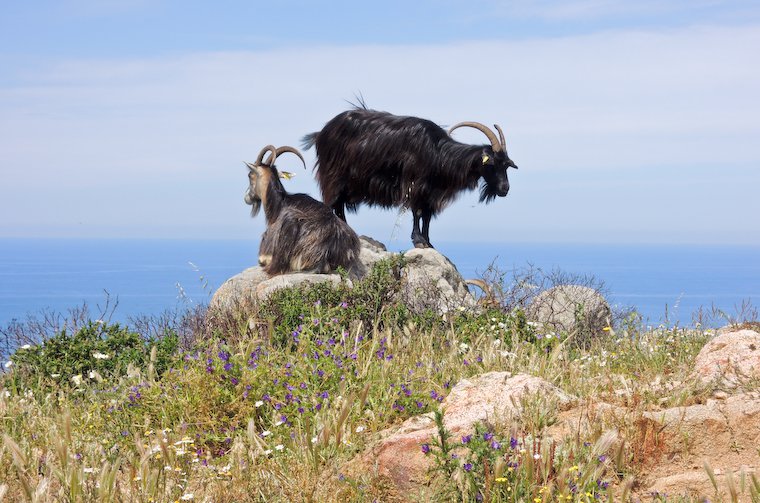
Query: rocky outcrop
x: 372, y: 251
x: 675, y: 443
x: 571, y: 308
x: 432, y: 281
x: 730, y: 358
x: 253, y: 285
x: 488, y: 398
x: 722, y: 434
x: 429, y: 280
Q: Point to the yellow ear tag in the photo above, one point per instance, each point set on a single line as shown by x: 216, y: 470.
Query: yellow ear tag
x: 286, y: 175
x: 485, y: 159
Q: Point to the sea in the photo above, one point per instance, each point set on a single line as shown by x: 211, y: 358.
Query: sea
x: 663, y: 283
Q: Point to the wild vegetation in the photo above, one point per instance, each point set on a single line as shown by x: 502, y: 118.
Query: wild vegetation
x: 272, y: 403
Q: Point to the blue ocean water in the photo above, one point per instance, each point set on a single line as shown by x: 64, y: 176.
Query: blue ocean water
x: 150, y: 276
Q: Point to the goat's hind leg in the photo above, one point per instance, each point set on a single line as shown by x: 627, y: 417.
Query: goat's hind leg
x: 426, y: 216
x: 418, y: 238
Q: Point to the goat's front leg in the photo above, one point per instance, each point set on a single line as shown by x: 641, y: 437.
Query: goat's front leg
x: 339, y: 207
x: 265, y: 254
x: 265, y: 260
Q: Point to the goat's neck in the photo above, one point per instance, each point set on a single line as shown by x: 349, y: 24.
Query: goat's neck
x: 465, y: 160
x: 273, y: 200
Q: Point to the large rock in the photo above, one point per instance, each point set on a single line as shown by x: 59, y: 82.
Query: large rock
x: 432, y: 281
x: 571, y: 308
x: 674, y: 444
x: 732, y: 358
x: 488, y: 398
x: 723, y: 434
x: 253, y: 285
x: 372, y: 251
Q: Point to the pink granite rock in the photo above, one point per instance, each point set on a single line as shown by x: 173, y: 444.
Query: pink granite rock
x: 732, y: 357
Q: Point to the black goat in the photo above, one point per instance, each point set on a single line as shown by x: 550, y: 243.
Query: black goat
x: 366, y: 156
x: 302, y: 234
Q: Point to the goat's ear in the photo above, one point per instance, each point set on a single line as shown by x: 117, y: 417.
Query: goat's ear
x: 286, y: 175
x: 251, y: 167
x: 486, y: 159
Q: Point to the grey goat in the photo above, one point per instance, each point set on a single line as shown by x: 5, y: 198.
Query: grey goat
x: 302, y: 233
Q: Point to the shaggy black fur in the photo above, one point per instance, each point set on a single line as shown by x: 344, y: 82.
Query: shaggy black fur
x: 380, y: 159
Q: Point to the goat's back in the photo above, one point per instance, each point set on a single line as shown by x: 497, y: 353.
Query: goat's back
x: 366, y: 156
x: 307, y: 236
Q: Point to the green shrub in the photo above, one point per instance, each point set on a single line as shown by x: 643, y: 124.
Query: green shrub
x: 372, y: 300
x: 105, y: 349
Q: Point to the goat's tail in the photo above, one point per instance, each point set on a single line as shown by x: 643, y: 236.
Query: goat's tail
x: 309, y: 140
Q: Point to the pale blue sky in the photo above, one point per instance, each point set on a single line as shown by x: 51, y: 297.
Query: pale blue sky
x: 630, y: 121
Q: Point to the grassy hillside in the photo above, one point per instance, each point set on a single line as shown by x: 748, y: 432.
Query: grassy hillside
x: 272, y: 402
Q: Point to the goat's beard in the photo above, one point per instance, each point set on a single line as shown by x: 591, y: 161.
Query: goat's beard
x: 487, y: 193
x: 255, y: 206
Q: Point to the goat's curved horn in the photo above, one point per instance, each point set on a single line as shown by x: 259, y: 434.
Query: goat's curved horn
x: 480, y: 284
x: 272, y: 157
x: 501, y: 137
x: 293, y: 150
x: 497, y: 147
